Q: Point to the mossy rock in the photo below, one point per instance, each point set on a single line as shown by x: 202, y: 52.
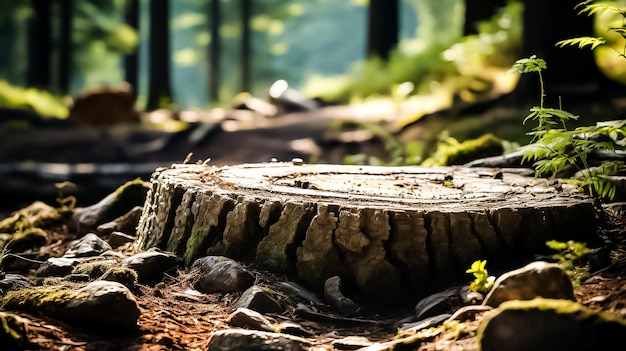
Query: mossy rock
x: 38, y: 214
x: 118, y: 203
x: 94, y: 269
x: 30, y: 238
x: 123, y: 275
x: 549, y: 325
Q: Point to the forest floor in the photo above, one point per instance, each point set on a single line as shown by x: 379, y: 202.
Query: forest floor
x: 172, y: 318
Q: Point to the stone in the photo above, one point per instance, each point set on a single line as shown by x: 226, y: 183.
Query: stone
x: 88, y: 246
x: 99, y: 304
x: 57, y: 267
x: 252, y: 340
x: 297, y: 291
x: 442, y: 302
x: 117, y: 239
x: 103, y: 304
x: 150, y: 265
x: 94, y: 269
x: 260, y: 299
x: 550, y: 325
x: 247, y: 318
x: 536, y: 279
x: 14, y: 282
x: 221, y: 274
x: 121, y: 201
x: 126, y: 223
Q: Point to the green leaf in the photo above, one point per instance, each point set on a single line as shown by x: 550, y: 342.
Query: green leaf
x: 531, y: 64
x: 581, y: 42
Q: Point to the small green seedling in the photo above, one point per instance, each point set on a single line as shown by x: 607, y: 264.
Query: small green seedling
x: 482, y: 280
x: 571, y: 257
x: 553, y: 147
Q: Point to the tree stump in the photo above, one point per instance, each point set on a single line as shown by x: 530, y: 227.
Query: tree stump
x: 389, y: 232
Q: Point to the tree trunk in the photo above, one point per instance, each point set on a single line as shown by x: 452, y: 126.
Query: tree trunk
x: 159, y: 85
x: 479, y: 10
x: 214, y: 50
x: 66, y: 9
x: 246, y: 46
x: 390, y: 232
x: 131, y: 61
x: 572, y: 72
x: 382, y: 27
x: 40, y: 45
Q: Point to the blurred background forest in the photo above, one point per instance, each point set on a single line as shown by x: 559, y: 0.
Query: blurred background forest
x: 202, y: 53
x: 199, y: 55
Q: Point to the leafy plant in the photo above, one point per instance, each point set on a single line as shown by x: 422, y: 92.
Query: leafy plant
x: 554, y: 147
x: 482, y: 280
x: 570, y: 257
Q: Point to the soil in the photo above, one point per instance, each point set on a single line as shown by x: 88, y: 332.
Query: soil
x: 175, y: 318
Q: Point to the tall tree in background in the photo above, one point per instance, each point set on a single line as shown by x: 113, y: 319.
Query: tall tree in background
x: 159, y: 86
x: 66, y: 16
x: 40, y: 45
x: 383, y: 23
x: 479, y: 10
x: 131, y: 60
x: 214, y: 50
x: 246, y: 45
x: 571, y: 71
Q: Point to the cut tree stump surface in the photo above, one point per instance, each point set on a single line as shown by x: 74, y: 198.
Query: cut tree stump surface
x: 390, y: 232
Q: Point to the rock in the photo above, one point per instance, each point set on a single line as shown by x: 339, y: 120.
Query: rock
x: 297, y: 291
x: 57, y: 267
x: 247, y: 318
x: 103, y: 304
x: 536, y: 279
x: 37, y: 214
x: 117, y: 239
x: 99, y: 304
x: 150, y: 265
x: 221, y: 274
x: 14, y: 282
x: 121, y: 201
x: 334, y: 296
x: 94, y: 269
x: 250, y: 340
x: 13, y: 332
x: 260, y: 299
x: 23, y: 240
x: 125, y: 276
x: 550, y: 325
x: 125, y: 224
x: 88, y: 246
x: 442, y: 302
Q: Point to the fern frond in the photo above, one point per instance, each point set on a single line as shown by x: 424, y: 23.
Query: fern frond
x: 582, y: 42
x: 591, y: 9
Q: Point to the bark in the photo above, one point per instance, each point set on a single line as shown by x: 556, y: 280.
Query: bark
x: 159, y: 84
x: 382, y: 27
x: 391, y: 232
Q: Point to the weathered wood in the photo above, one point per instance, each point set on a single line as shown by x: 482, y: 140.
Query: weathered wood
x: 391, y: 232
